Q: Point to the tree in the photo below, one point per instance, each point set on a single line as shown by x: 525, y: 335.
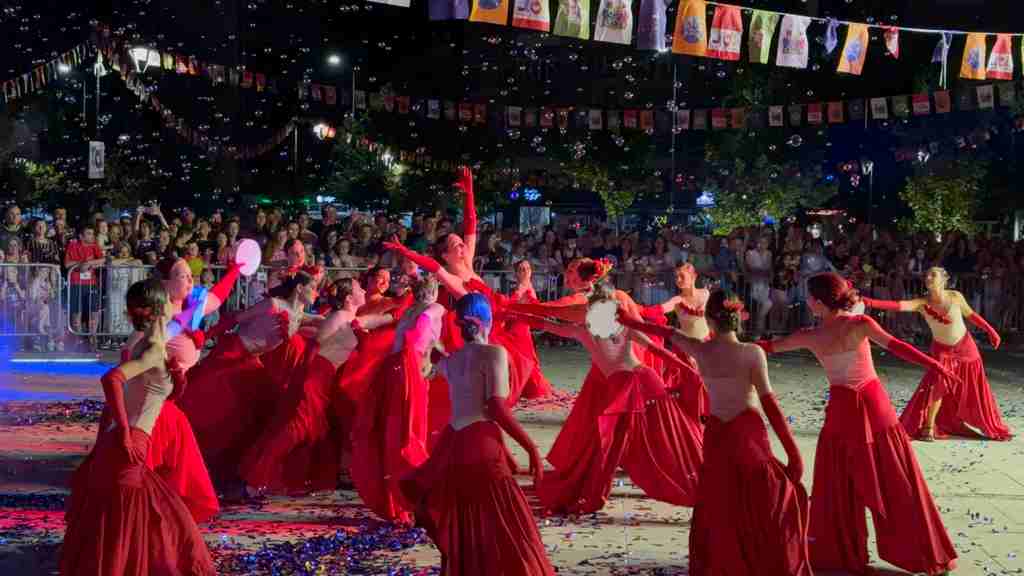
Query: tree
x: 618, y: 168
x: 944, y: 199
x: 358, y: 174
x: 34, y: 182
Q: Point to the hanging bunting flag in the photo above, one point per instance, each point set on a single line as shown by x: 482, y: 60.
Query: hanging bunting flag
x: 814, y: 113
x: 700, y: 119
x: 942, y: 102
x: 403, y: 104
x: 726, y: 34
x: 573, y: 19
x: 614, y: 120
x: 1007, y: 94
x: 547, y: 118
x: 330, y: 92
x: 755, y: 118
x: 718, y: 119
x: 360, y: 99
x: 465, y: 111
x: 922, y: 105
x: 647, y: 120
x: 855, y: 51
x: 531, y: 14
x: 563, y: 118
x: 835, y: 112
x: 879, y: 109
x: 614, y: 22
x: 596, y: 119
x: 796, y: 114
x: 775, y: 116
x: 451, y: 111
x: 682, y: 120
x: 739, y: 117
x: 514, y: 116
x: 965, y: 98
x: 973, y: 65
x: 762, y: 30
x: 941, y: 52
x: 901, y: 106
x: 1000, y: 62
x: 490, y: 11
x: 856, y: 109
x: 629, y: 119
x: 690, y: 34
x: 167, y: 61
x: 448, y: 9
x: 434, y: 109
x: 986, y: 97
x: 480, y: 113
x: 793, y: 48
x: 650, y: 28
x: 892, y: 41
x: 530, y: 117
x: 831, y: 36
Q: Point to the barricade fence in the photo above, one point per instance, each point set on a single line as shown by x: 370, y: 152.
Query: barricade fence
x: 39, y: 302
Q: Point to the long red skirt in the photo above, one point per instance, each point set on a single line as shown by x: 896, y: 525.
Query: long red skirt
x: 300, y: 451
x: 390, y: 436
x: 864, y: 459
x: 125, y: 520
x: 468, y: 501
x: 229, y: 401
x: 687, y: 387
x: 969, y: 402
x: 355, y: 377
x: 624, y: 420
x: 749, y: 518
x: 537, y: 385
x: 283, y: 361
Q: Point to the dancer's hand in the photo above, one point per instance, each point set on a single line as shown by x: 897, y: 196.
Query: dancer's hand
x: 536, y: 468
x: 995, y: 339
x: 465, y: 180
x: 135, y: 455
x: 795, y: 470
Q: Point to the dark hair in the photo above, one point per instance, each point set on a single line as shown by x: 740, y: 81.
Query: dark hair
x: 473, y: 311
x: 372, y: 273
x: 287, y: 288
x: 588, y: 270
x: 441, y: 245
x: 339, y: 291
x: 164, y: 267
x: 725, y: 310
x: 145, y: 300
x: 833, y: 291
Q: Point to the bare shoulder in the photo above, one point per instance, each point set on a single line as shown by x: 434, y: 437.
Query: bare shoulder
x: 754, y: 353
x: 497, y: 353
x: 957, y: 296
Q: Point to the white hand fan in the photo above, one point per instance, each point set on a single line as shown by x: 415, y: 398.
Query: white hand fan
x: 603, y: 319
x: 248, y: 255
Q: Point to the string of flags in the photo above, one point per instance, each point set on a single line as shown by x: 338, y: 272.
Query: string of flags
x: 43, y: 74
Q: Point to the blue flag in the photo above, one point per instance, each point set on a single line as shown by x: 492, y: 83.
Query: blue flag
x: 942, y: 48
x: 831, y: 36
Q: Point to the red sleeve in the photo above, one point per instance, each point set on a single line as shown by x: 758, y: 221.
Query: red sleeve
x: 97, y: 252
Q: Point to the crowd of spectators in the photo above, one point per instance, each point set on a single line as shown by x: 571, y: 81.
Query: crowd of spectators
x: 100, y: 255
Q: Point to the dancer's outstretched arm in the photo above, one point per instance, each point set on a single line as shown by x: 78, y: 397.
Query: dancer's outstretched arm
x: 571, y: 331
x: 872, y: 330
x: 894, y: 305
x: 796, y: 341
x: 469, y: 223
x: 452, y: 282
x: 679, y: 340
x: 772, y: 410
x: 661, y: 352
x: 976, y: 319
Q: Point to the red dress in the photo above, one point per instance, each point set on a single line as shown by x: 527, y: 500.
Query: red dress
x: 628, y: 420
x: 300, y: 451
x: 124, y: 519
x: 390, y: 434
x: 750, y: 519
x: 967, y: 402
x: 467, y: 499
x: 686, y: 386
x: 355, y: 377
x: 864, y: 459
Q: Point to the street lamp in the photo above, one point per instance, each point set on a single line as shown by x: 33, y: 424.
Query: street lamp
x: 334, y: 60
x: 868, y: 167
x: 63, y: 68
x: 100, y: 71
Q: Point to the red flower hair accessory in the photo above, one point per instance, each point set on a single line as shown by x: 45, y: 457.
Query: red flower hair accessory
x: 736, y: 306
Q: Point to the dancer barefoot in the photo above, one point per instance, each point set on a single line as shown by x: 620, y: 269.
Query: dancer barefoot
x: 300, y: 451
x: 465, y: 494
x: 941, y: 407
x: 752, y: 513
x: 123, y: 518
x: 864, y: 458
x: 390, y: 436
x: 623, y: 417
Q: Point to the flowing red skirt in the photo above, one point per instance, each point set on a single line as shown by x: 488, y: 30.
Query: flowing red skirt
x: 468, y: 501
x: 125, y: 520
x: 537, y: 385
x: 355, y: 377
x: 749, y: 518
x: 300, y: 451
x: 864, y: 459
x: 229, y: 401
x: 283, y: 361
x: 439, y: 410
x: 390, y: 436
x: 969, y: 402
x: 624, y: 420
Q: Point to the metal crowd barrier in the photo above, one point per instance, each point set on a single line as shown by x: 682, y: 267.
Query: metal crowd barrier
x: 31, y: 300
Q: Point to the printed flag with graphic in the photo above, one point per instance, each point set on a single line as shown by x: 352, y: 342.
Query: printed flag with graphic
x: 922, y: 104
x: 490, y: 11
x: 973, y: 65
x: 726, y: 34
x: 793, y: 45
x: 775, y: 116
x: 1000, y: 62
x: 650, y: 26
x: 855, y: 51
x: 690, y: 35
x: 573, y: 19
x: 892, y: 41
x: 614, y: 22
x: 762, y: 30
x: 531, y: 14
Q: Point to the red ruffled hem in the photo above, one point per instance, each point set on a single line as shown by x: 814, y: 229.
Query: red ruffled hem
x: 174, y: 455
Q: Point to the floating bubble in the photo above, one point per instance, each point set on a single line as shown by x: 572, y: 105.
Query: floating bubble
x: 795, y: 141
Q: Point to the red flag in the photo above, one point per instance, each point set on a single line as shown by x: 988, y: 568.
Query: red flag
x: 647, y: 120
x: 629, y: 118
x: 330, y: 93
x: 892, y: 41
x: 726, y: 33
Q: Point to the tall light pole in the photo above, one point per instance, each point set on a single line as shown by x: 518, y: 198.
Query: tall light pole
x: 100, y: 71
x: 868, y: 167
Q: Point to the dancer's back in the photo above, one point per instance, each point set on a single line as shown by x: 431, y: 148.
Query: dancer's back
x: 475, y: 373
x: 735, y: 375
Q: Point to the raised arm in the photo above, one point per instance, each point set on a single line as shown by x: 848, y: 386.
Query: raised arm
x: 374, y: 321
x: 874, y: 332
x: 894, y: 305
x: 452, y: 282
x: 670, y: 304
x: 222, y: 289
x: 974, y: 318
x: 469, y: 223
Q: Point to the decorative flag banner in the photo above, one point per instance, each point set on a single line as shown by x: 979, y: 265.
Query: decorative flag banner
x: 614, y: 21
x: 647, y: 120
x: 879, y: 108
x: 901, y: 106
x: 514, y: 116
x: 490, y: 11
x: 855, y: 51
x: 775, y: 116
x: 831, y: 36
x: 739, y: 117
x: 796, y: 114
x: 573, y: 19
x: 450, y: 111
x: 596, y: 119
x: 892, y: 42
x: 614, y: 120
x: 973, y: 65
x: 563, y: 118
x: 835, y: 112
x: 814, y: 113
x: 942, y: 103
x: 762, y: 30
x: 629, y: 119
x: 793, y: 49
x: 965, y: 98
x: 434, y: 109
x: 547, y: 118
x: 1000, y: 62
x: 690, y: 35
x: 755, y: 119
x: 718, y: 119
x: 480, y: 113
x: 530, y: 118
x: 700, y: 119
x: 726, y: 34
x: 986, y: 97
x: 448, y: 9
x: 399, y: 3
x: 941, y: 52
x: 403, y: 104
x: 465, y: 112
x: 1007, y: 94
x: 389, y: 102
x: 856, y: 109
x: 650, y: 29
x: 922, y: 105
x: 682, y: 119
x: 531, y: 14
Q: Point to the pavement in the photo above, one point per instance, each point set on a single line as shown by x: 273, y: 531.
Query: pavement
x: 47, y: 415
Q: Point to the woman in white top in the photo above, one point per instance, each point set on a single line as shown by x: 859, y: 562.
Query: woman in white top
x: 759, y: 274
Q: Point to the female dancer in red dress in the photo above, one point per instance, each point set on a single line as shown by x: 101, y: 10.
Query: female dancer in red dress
x: 941, y: 407
x: 537, y: 386
x: 390, y: 436
x: 300, y: 451
x: 465, y: 494
x: 751, y: 515
x: 123, y: 518
x: 864, y: 458
x: 622, y: 417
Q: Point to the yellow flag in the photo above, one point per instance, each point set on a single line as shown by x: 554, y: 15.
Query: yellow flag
x: 690, y: 35
x: 491, y: 11
x: 973, y: 65
x: 855, y: 51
